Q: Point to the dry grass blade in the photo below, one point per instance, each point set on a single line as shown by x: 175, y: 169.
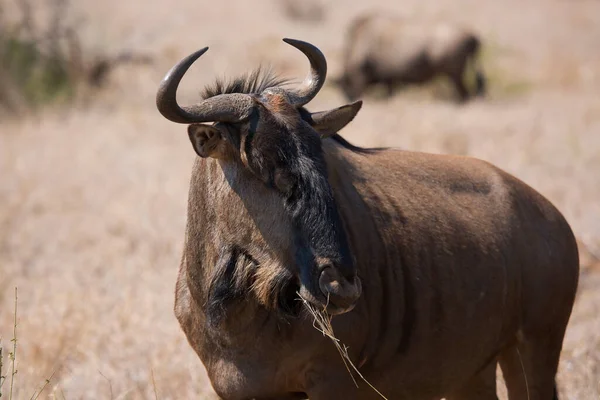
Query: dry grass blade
x: 13, y: 355
x: 46, y: 383
x: 524, y: 373
x: 322, y: 323
x: 154, y: 384
x: 109, y: 385
x: 2, y: 377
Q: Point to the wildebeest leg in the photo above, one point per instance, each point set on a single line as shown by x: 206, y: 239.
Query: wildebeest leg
x: 341, y: 386
x: 480, y: 83
x: 529, y: 368
x: 390, y: 88
x: 364, y: 392
x: 474, y: 47
x: 481, y: 387
x: 459, y: 85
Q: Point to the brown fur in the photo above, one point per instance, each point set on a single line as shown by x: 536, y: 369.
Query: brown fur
x: 459, y: 266
x: 395, y: 51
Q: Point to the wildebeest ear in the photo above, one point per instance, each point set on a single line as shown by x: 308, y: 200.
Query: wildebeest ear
x: 329, y: 122
x: 205, y: 139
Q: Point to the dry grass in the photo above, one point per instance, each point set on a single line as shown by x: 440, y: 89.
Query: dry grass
x: 92, y: 198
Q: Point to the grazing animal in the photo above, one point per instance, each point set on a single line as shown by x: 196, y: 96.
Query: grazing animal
x: 391, y: 50
x: 433, y: 267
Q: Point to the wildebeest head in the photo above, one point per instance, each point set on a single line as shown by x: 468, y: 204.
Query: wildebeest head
x: 266, y: 130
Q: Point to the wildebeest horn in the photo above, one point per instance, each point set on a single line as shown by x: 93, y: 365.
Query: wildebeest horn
x: 316, y: 77
x: 225, y: 107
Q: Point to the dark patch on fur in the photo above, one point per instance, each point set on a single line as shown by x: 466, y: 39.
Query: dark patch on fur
x: 288, y: 303
x: 229, y: 282
x: 253, y: 83
x: 471, y: 187
x: 221, y: 290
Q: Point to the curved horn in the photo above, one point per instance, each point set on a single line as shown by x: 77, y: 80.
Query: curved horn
x: 225, y: 107
x: 316, y: 77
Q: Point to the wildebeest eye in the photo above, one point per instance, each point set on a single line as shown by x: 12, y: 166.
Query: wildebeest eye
x: 284, y: 181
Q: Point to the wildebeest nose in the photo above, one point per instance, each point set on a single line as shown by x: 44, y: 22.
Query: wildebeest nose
x: 341, y: 292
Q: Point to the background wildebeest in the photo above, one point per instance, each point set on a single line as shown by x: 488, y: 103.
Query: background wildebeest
x: 437, y: 267
x: 391, y: 50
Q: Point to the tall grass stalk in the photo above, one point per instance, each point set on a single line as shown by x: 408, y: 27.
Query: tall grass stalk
x: 13, y: 354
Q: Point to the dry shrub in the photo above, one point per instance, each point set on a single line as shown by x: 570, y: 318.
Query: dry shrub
x: 43, y: 59
x: 39, y: 61
x: 8, y: 381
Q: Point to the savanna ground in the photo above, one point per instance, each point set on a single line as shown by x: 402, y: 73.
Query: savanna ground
x: 93, y: 196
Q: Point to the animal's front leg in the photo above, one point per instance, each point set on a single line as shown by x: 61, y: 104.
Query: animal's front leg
x: 364, y: 392
x: 341, y: 386
x: 390, y: 85
x: 460, y: 87
x: 480, y: 387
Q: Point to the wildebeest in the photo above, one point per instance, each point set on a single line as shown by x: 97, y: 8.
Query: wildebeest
x: 433, y: 267
x: 394, y: 51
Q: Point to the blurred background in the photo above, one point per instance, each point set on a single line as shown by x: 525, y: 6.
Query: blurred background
x: 93, y: 181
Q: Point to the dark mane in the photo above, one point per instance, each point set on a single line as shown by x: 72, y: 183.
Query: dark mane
x: 362, y: 150
x: 252, y: 83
